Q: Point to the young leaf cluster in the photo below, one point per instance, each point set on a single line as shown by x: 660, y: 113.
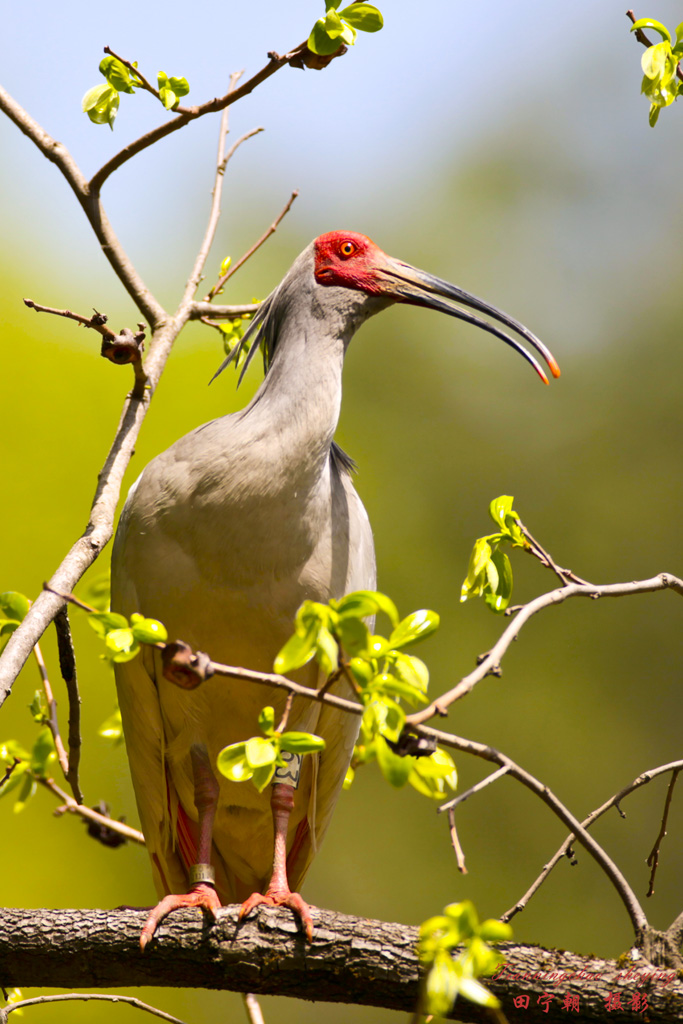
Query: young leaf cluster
x: 661, y: 84
x: 24, y: 767
x: 101, y: 103
x: 450, y: 977
x: 339, y: 27
x: 258, y: 757
x: 381, y: 673
x: 13, y: 608
x: 122, y: 638
x: 489, y: 574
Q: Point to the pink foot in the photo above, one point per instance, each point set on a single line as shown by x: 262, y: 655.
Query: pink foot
x: 200, y: 895
x: 281, y: 898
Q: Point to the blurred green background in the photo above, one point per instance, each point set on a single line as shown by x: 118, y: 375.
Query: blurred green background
x: 510, y: 153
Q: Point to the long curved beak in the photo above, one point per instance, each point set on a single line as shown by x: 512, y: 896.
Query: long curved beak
x: 404, y: 283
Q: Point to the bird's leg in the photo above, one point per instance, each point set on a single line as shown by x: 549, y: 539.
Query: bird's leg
x: 278, y: 893
x: 201, y: 892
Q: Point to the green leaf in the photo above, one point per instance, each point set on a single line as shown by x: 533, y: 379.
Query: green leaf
x: 262, y: 776
x: 7, y: 627
x: 101, y: 104
x: 180, y: 86
x: 112, y: 728
x: 121, y: 645
x: 500, y: 595
x: 298, y: 650
x: 148, y: 631
x: 43, y: 752
x: 38, y: 707
x: 464, y: 917
x: 364, y: 603
x: 441, y: 986
x: 232, y: 763
x: 364, y: 17
x: 654, y: 61
x: 117, y: 74
x: 259, y: 751
x: 327, y: 651
x: 301, y: 742
x: 320, y: 42
x: 495, y: 931
x: 105, y: 622
x: 354, y: 636
x: 266, y: 720
x: 395, y: 769
x: 414, y: 627
x: 433, y: 775
x: 656, y: 26
x: 14, y: 605
x: 15, y: 778
x: 28, y: 789
x: 97, y: 591
x: 225, y: 266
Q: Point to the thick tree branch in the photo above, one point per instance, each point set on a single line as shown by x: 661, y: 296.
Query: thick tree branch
x: 350, y: 960
x: 88, y: 197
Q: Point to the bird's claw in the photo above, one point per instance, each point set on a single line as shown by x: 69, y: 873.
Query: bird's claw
x: 201, y: 895
x: 292, y: 900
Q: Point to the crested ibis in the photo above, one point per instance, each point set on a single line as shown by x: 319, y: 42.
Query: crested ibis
x: 222, y: 538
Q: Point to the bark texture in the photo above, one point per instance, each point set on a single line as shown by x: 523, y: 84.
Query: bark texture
x: 350, y: 960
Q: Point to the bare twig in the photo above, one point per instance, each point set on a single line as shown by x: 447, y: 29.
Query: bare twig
x: 282, y: 725
x: 87, y: 997
x: 70, y: 805
x: 221, y: 163
x: 452, y: 804
x: 653, y: 859
x: 250, y: 252
x: 201, y: 310
x: 9, y: 770
x: 491, y: 662
x: 89, y: 200
x: 564, y: 575
x: 191, y: 114
x: 98, y: 321
x: 253, y: 1008
x: 67, y: 665
x: 628, y: 897
x: 455, y: 842
x: 53, y: 722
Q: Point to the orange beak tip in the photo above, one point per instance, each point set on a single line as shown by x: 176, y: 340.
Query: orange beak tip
x: 554, y: 369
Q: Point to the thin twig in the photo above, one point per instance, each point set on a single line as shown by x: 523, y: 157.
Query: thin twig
x: 452, y: 804
x: 53, y: 721
x: 222, y: 161
x: 86, y: 997
x: 201, y: 310
x: 490, y: 664
x: 67, y: 665
x: 642, y: 38
x: 9, y: 770
x: 145, y: 83
x: 539, y: 552
x: 455, y: 842
x: 98, y: 322
x: 628, y: 897
x: 70, y: 805
x: 653, y: 859
x: 253, y: 1008
x: 643, y: 779
x: 250, y: 252
x: 282, y: 725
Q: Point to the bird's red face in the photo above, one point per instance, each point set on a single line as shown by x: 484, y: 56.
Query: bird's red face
x: 349, y: 260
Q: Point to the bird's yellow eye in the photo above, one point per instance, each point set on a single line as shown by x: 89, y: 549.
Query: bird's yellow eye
x: 347, y: 249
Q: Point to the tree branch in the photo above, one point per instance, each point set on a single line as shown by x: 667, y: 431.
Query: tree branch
x: 490, y: 664
x: 88, y: 197
x: 191, y: 114
x: 86, y: 997
x: 350, y: 960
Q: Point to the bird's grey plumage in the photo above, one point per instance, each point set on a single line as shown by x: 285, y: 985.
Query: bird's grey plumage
x: 222, y: 538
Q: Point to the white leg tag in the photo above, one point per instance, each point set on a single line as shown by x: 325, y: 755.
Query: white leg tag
x: 290, y: 771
